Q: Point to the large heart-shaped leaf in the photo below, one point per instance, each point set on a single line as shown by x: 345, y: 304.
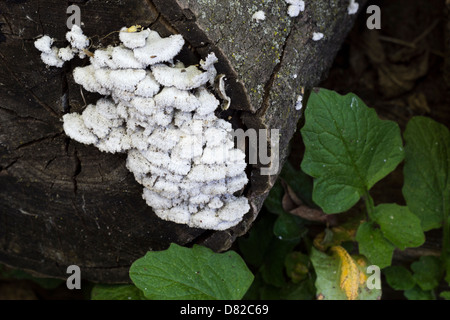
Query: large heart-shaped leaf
x: 427, y: 272
x: 195, y: 273
x: 427, y: 177
x: 427, y: 171
x: 348, y: 148
x: 399, y: 278
x: 399, y: 225
x: 374, y: 245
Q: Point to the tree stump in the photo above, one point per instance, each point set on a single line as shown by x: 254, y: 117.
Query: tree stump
x: 64, y: 203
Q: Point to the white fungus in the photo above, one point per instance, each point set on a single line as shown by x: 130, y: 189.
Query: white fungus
x: 208, y: 66
x: 124, y: 58
x: 66, y: 54
x: 180, y: 77
x: 299, y: 103
x: 317, y: 36
x: 132, y: 39
x: 295, y: 7
x: 259, y: 15
x: 352, y: 7
x: 293, y: 11
x: 162, y: 115
x: 44, y: 44
x: 55, y: 57
x: 76, y: 38
x: 51, y: 58
x: 157, y: 49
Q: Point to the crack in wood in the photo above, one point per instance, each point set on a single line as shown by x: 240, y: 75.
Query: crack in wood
x: 269, y: 84
x: 76, y: 171
x: 22, y: 118
x: 155, y: 21
x: 32, y: 142
x: 49, y: 162
x: 64, y: 99
x: 38, y: 11
x: 36, y: 98
x: 160, y: 18
x: 77, y: 162
x: 20, y: 37
x: 9, y: 165
x: 7, y: 22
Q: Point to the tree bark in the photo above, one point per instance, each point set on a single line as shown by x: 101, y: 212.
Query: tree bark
x: 64, y: 203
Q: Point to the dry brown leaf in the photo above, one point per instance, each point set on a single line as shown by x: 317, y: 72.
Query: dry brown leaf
x: 334, y: 237
x: 396, y: 79
x: 290, y: 199
x: 316, y: 215
x: 293, y: 204
x: 372, y: 47
x: 397, y: 73
x: 418, y: 103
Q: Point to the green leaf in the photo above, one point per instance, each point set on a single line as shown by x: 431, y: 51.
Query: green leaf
x: 374, y: 245
x: 427, y: 171
x: 327, y: 281
x: 297, y: 266
x: 399, y: 225
x: 273, y: 270
x: 288, y: 227
x: 446, y: 255
x: 427, y: 272
x: 445, y: 295
x: 191, y: 273
x: 254, y: 292
x: 255, y: 245
x: 116, y: 292
x: 300, y: 182
x: 348, y: 148
x: 304, y: 290
x: 263, y: 250
x: 416, y: 293
x: 273, y: 200
x: 328, y: 272
x: 399, y: 278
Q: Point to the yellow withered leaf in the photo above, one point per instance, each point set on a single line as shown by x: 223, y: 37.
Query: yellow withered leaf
x: 362, y: 263
x: 134, y: 28
x: 350, y: 275
x: 335, y: 236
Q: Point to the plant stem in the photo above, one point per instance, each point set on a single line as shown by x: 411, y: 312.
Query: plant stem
x: 369, y: 205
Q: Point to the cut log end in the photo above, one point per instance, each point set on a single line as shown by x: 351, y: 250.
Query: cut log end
x: 64, y: 203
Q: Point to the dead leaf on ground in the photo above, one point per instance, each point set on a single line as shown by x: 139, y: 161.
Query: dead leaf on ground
x: 290, y: 199
x: 418, y: 103
x: 350, y: 273
x: 398, y: 72
x: 294, y: 205
x: 335, y: 236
